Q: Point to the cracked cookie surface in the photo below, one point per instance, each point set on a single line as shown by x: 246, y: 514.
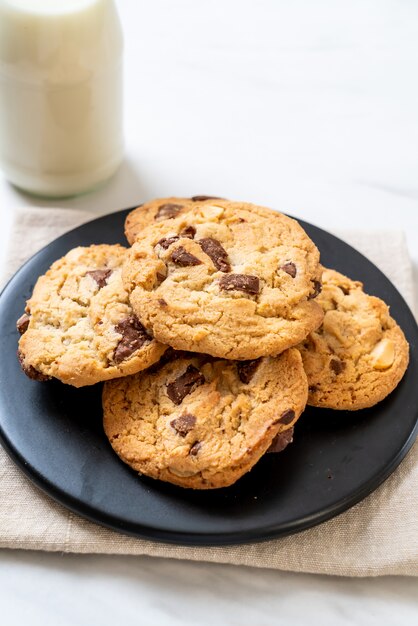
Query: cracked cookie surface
x: 359, y: 354
x: 201, y: 422
x: 79, y: 326
x: 156, y: 211
x: 229, y: 279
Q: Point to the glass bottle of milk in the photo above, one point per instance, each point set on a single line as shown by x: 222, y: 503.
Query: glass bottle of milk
x: 60, y: 94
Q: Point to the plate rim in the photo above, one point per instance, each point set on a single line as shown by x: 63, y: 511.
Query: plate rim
x: 206, y: 540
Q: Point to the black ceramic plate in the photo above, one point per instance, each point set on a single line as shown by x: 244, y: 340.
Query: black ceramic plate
x: 54, y: 433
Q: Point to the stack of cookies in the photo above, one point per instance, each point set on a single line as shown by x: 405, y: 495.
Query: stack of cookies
x: 213, y: 331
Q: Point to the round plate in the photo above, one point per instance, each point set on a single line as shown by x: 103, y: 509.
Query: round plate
x: 54, y: 433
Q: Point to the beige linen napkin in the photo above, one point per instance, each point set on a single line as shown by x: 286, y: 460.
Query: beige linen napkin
x: 377, y: 536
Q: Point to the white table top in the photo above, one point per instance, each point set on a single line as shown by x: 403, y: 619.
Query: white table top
x: 309, y: 107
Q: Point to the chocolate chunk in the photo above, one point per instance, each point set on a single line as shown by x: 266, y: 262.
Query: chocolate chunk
x: 247, y: 369
x: 203, y: 198
x: 337, y: 366
x: 167, y: 211
x: 160, y: 278
x: 286, y: 417
x: 134, y: 336
x: 195, y: 448
x: 183, y: 424
x: 167, y: 241
x: 317, y: 290
x: 216, y: 252
x: 188, y: 232
x: 289, y: 268
x: 23, y: 323
x: 312, y: 388
x: 181, y: 257
x: 162, y: 302
x: 100, y: 276
x: 281, y: 441
x: 30, y: 371
x: 240, y: 282
x: 184, y: 384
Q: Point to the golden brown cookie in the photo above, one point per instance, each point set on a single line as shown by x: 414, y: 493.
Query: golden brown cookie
x: 156, y: 211
x: 200, y: 422
x: 230, y: 279
x: 359, y: 354
x: 79, y: 326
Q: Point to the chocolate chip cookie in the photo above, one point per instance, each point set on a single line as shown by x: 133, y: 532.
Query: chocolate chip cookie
x: 156, y: 211
x: 79, y: 326
x: 230, y: 279
x: 359, y: 354
x: 201, y: 422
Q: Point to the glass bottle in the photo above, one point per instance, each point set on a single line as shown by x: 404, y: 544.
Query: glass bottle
x: 60, y: 94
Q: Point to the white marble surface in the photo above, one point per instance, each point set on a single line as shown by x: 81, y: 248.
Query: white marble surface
x: 52, y: 590
x: 310, y: 107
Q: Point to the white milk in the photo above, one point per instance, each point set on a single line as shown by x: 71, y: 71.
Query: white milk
x: 60, y: 94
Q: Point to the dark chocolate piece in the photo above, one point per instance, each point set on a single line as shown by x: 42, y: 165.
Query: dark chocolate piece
x: 286, y: 417
x: 247, y: 369
x: 216, y: 252
x: 240, y: 282
x: 168, y: 211
x: 183, y: 424
x: 317, y: 290
x: 23, y: 323
x: 167, y: 241
x: 134, y: 336
x: 195, y: 448
x: 179, y: 388
x: 100, y: 276
x: 337, y: 366
x: 281, y: 441
x: 203, y: 198
x: 189, y: 232
x: 181, y: 257
x: 289, y: 268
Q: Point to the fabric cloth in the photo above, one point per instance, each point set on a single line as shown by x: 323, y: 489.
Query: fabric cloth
x: 378, y: 536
